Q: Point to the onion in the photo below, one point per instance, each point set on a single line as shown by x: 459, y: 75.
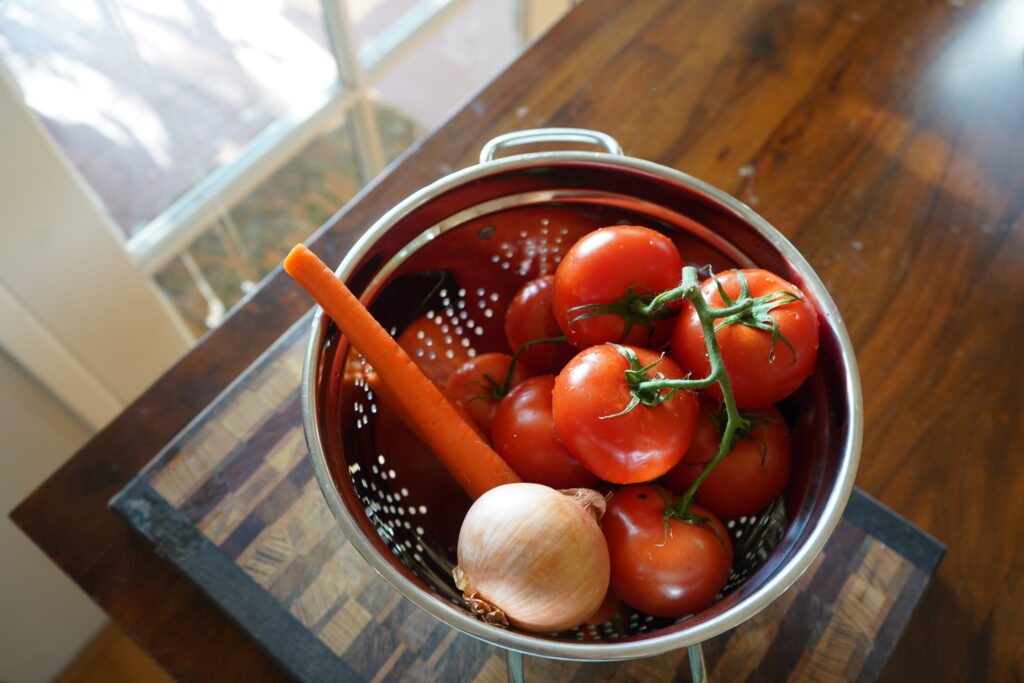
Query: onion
x: 533, y: 557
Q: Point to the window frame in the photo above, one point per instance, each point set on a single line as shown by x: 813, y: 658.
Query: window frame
x: 167, y: 235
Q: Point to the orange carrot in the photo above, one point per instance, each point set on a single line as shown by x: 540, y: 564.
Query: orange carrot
x: 458, y: 446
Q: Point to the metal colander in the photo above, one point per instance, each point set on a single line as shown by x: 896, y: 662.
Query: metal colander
x: 438, y: 271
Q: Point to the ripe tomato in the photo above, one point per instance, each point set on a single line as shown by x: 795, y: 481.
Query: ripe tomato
x: 432, y: 348
x: 752, y: 475
x: 523, y: 433
x: 637, y: 446
x: 600, y: 269
x: 475, y: 386
x: 761, y: 371
x: 606, y: 612
x: 529, y: 317
x: 669, y: 572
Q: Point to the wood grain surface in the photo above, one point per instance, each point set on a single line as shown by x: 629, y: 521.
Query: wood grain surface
x: 884, y: 139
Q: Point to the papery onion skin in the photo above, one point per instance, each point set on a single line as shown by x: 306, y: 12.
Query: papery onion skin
x: 535, y: 554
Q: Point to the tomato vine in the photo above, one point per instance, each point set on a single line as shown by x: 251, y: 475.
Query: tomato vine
x: 648, y: 390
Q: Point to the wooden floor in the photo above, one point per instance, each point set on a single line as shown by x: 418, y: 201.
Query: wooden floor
x: 113, y: 658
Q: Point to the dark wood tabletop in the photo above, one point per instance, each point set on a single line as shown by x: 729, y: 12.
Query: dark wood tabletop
x: 885, y: 139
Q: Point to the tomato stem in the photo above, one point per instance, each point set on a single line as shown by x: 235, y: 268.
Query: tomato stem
x: 636, y: 376
x: 734, y: 420
x: 690, y: 289
x: 500, y: 391
x: 635, y: 309
x: 745, y: 309
x: 492, y: 390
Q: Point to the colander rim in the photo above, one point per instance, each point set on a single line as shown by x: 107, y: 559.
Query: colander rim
x: 649, y: 644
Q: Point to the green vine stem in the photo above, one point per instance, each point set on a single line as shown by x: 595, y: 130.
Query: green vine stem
x: 690, y: 290
x: 635, y: 308
x: 497, y: 391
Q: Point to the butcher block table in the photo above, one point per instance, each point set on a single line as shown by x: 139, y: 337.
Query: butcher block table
x: 884, y: 139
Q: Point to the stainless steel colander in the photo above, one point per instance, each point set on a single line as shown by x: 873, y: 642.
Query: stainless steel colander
x: 438, y: 271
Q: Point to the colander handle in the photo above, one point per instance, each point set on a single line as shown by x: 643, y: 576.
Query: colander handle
x: 548, y: 135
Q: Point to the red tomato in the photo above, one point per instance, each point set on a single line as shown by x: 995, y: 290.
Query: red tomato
x: 669, y: 572
x: 427, y: 343
x: 761, y: 373
x: 529, y: 317
x: 523, y: 433
x: 752, y: 475
x: 475, y: 386
x: 608, y: 609
x: 600, y: 269
x: 633, y: 447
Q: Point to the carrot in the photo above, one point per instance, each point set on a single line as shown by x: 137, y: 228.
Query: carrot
x: 466, y: 455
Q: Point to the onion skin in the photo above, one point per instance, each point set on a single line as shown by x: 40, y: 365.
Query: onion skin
x: 533, y: 557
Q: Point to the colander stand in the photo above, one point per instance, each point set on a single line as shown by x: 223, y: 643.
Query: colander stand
x: 698, y: 671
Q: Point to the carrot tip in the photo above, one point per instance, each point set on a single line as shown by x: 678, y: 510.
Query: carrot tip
x: 298, y: 252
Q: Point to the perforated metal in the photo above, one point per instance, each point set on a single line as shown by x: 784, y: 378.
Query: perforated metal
x: 431, y: 270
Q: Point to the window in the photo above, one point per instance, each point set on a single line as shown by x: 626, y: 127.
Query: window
x: 217, y: 133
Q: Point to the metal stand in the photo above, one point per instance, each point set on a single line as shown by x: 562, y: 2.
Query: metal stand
x: 515, y: 666
x: 698, y: 670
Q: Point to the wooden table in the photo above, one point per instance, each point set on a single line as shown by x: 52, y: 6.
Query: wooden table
x: 885, y: 139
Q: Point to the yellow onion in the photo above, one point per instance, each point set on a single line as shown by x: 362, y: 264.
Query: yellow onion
x: 533, y: 557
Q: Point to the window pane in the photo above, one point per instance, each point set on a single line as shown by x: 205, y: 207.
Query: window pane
x: 147, y: 98
x: 397, y: 131
x: 372, y: 19
x: 253, y: 237
x: 468, y: 50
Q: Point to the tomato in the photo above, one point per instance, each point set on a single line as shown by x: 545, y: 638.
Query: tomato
x: 761, y: 372
x: 750, y: 477
x: 432, y: 348
x: 523, y: 433
x: 608, y: 609
x: 475, y: 386
x: 669, y: 572
x: 600, y: 269
x: 636, y: 446
x: 529, y: 317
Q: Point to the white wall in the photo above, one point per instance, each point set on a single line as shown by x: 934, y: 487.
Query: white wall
x: 45, y: 619
x: 73, y: 309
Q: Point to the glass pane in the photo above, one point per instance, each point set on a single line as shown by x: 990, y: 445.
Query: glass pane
x: 439, y: 73
x: 297, y: 199
x: 397, y: 131
x: 372, y: 19
x: 147, y: 98
x: 254, y: 236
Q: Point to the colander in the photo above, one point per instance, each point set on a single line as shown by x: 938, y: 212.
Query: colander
x: 438, y: 270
